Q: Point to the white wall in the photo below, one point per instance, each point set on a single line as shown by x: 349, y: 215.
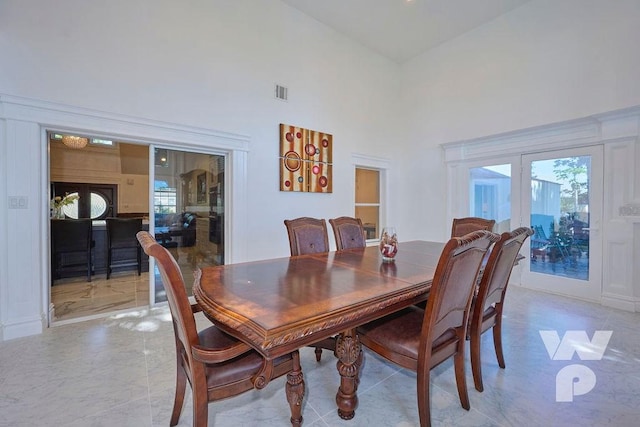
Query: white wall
x: 545, y: 62
x: 213, y: 65
x: 199, y: 64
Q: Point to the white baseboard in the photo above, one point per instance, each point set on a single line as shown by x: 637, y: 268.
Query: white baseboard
x: 22, y: 328
x: 621, y: 302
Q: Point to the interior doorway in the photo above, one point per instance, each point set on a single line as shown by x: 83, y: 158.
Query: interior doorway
x: 94, y: 179
x: 183, y: 207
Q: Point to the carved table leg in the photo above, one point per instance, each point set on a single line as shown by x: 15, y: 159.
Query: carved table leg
x: 349, y: 353
x: 295, y: 390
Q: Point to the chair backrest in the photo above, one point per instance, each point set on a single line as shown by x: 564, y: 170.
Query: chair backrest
x: 497, y: 271
x: 71, y: 235
x: 462, y: 226
x: 453, y: 285
x: 349, y: 232
x: 184, y: 323
x: 121, y: 232
x: 307, y: 235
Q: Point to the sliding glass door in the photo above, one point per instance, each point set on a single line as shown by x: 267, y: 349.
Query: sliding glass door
x: 188, y: 212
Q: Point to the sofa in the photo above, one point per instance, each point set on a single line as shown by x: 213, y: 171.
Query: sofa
x: 181, y: 225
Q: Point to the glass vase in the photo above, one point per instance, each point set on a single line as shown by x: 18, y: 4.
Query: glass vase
x: 56, y: 212
x: 388, y: 244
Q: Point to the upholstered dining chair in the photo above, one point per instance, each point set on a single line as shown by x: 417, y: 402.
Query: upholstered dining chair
x: 308, y: 236
x: 418, y: 339
x: 121, y: 238
x: 487, y: 305
x: 215, y: 364
x: 349, y: 232
x: 462, y: 226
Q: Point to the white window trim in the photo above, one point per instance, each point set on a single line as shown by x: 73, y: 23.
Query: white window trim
x: 383, y: 165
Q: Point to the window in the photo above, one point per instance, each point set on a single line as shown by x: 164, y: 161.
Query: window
x: 490, y: 194
x: 96, y: 201
x: 368, y: 200
x: 98, y: 206
x: 164, y: 198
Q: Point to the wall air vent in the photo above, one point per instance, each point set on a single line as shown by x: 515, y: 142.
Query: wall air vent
x: 281, y: 92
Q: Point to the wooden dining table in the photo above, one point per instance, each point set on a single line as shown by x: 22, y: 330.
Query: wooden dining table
x: 280, y: 305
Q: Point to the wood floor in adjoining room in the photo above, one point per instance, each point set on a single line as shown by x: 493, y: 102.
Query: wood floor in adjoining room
x: 76, y: 298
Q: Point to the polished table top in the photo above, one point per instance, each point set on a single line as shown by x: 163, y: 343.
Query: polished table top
x: 279, y: 305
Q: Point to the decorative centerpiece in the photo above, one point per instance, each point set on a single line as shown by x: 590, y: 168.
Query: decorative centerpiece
x: 58, y: 202
x: 388, y: 244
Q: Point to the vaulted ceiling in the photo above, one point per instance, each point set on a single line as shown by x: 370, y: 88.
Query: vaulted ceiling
x: 403, y: 29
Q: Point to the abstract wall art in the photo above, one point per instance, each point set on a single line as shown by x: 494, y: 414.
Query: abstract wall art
x: 305, y: 160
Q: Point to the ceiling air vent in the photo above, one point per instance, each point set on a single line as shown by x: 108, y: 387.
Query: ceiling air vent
x: 281, y: 92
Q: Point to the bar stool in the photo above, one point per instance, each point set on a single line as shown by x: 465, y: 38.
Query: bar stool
x: 121, y: 239
x: 71, y: 247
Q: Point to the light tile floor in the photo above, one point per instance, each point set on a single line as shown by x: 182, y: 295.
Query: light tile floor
x: 119, y: 371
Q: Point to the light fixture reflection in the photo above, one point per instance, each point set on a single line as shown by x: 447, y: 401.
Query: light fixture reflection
x: 73, y: 141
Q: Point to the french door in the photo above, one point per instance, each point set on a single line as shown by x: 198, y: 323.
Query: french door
x: 562, y: 201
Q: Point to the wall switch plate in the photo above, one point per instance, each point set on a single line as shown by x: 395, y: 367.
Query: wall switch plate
x: 18, y: 202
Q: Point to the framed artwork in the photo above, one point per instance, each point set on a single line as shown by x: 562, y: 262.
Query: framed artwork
x: 306, y: 162
x: 201, y: 189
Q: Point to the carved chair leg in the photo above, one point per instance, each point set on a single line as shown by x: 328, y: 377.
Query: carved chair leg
x: 318, y: 352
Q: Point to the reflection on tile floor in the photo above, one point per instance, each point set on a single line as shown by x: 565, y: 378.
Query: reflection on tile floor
x: 119, y: 371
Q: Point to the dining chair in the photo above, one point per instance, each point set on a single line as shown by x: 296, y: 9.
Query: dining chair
x: 71, y: 247
x: 308, y: 236
x: 215, y: 364
x: 420, y: 339
x: 462, y: 226
x: 348, y: 232
x: 488, y: 303
x: 121, y: 239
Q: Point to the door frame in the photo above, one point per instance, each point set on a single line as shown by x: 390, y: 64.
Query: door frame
x: 29, y: 121
x: 590, y: 289
x: 226, y: 191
